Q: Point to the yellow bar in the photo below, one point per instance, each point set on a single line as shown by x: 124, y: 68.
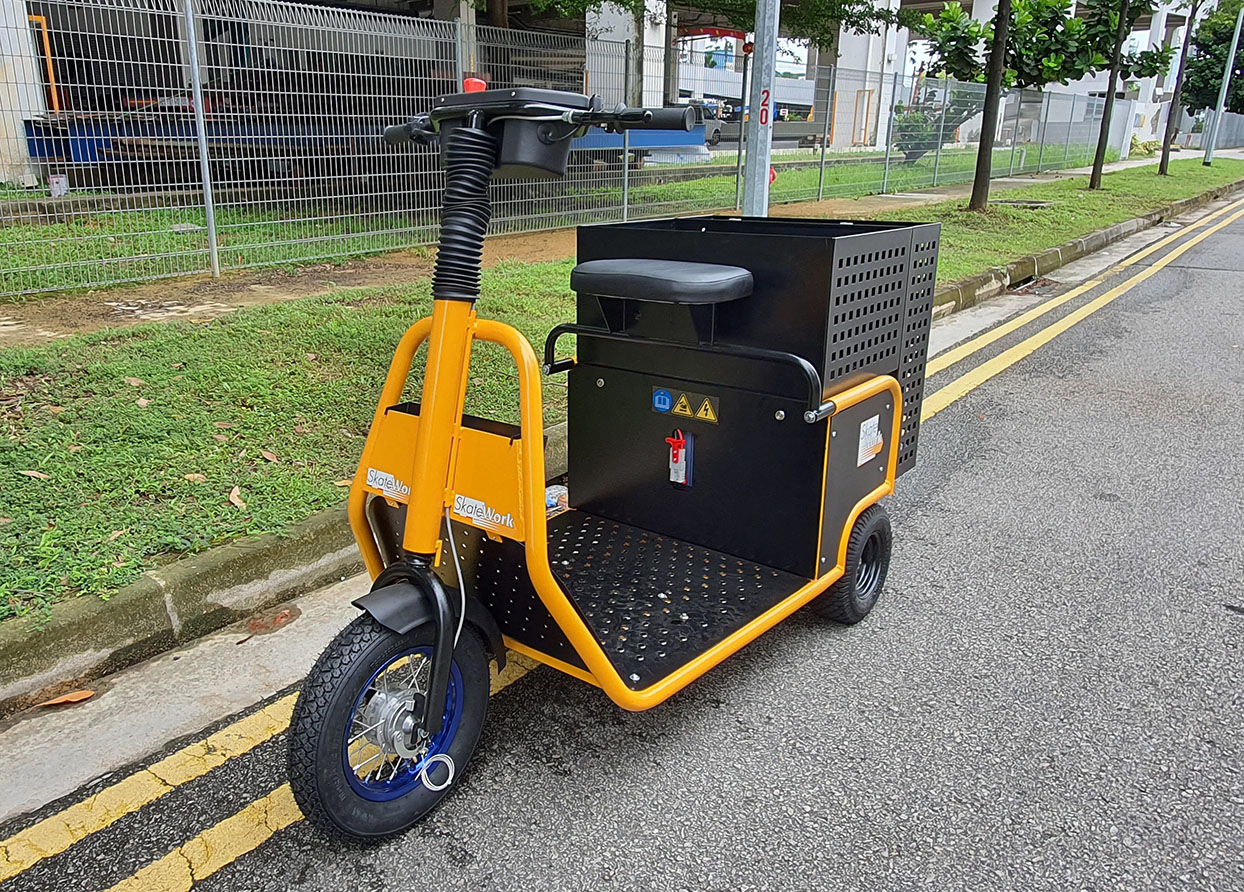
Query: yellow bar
x: 440, y: 414
x: 42, y: 22
x: 394, y: 382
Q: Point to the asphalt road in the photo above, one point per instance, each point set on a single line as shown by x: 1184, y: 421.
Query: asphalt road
x: 1048, y: 695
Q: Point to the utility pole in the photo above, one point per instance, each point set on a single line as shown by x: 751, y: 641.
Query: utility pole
x: 759, y: 125
x: 1222, y: 90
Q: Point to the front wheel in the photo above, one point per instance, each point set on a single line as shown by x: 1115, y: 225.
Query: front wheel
x: 853, y: 595
x: 352, y: 769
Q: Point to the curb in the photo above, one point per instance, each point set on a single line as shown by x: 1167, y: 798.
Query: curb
x: 974, y: 289
x: 188, y: 598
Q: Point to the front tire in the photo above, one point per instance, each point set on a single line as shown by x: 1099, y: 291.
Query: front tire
x: 855, y: 593
x: 347, y: 774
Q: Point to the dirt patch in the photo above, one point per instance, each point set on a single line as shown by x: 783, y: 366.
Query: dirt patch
x: 43, y: 319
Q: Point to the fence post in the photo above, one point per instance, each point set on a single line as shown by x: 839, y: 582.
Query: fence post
x: 205, y: 168
x: 459, y: 52
x: 1071, y: 119
x: 889, y: 133
x: 626, y: 135
x: 738, y: 157
x: 825, y: 129
x: 1019, y: 110
x: 1045, y: 119
x: 941, y: 128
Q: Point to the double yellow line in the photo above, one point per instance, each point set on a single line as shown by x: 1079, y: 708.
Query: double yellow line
x: 258, y: 821
x: 969, y: 381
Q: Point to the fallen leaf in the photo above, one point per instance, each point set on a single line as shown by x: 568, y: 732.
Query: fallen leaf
x: 179, y: 365
x: 4, y: 520
x: 143, y: 403
x: 178, y: 377
x: 235, y: 497
x: 223, y: 425
x: 75, y: 447
x: 270, y: 456
x: 311, y: 356
x: 71, y: 697
x: 347, y: 482
x: 115, y: 535
x: 301, y: 429
x: 220, y: 438
x: 196, y: 478
x: 135, y: 382
x: 56, y: 410
x: 38, y: 475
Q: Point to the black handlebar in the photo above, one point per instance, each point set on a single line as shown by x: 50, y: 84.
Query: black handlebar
x: 667, y: 119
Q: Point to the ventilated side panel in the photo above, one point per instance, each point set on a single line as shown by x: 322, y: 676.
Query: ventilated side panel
x: 867, y: 287
x: 917, y: 317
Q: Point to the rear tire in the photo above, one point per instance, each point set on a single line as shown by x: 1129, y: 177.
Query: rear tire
x: 855, y: 593
x: 366, y: 677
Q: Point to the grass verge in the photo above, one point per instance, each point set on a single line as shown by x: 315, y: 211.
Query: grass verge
x: 122, y: 448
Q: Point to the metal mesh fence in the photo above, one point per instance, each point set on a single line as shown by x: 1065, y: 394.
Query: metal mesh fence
x: 148, y: 138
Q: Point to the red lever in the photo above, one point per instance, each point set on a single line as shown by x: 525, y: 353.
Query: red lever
x: 677, y: 445
x: 474, y: 85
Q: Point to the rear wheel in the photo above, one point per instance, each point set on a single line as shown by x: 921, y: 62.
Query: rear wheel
x: 352, y: 768
x: 855, y: 593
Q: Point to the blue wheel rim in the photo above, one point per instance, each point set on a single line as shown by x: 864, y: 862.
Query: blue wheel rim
x: 399, y: 776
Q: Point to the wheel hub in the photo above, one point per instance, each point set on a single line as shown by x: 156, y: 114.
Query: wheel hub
x: 390, y: 716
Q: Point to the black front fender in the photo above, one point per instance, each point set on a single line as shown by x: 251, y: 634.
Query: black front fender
x: 402, y: 607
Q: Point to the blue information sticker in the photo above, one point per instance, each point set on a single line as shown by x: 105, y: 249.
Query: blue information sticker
x: 662, y: 401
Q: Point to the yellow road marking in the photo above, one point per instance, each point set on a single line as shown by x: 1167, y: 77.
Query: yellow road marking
x: 58, y: 832
x: 966, y: 349
x: 976, y: 377
x: 217, y: 846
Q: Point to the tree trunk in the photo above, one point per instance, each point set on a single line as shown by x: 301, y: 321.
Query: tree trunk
x: 1169, y: 135
x: 1103, y: 135
x: 499, y: 13
x: 989, y: 115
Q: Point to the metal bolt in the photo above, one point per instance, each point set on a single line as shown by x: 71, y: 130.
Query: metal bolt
x: 882, y: 469
x: 634, y: 676
x: 600, y: 382
x: 833, y: 433
x: 779, y: 414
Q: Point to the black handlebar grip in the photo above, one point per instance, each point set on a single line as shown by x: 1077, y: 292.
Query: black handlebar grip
x: 396, y: 134
x: 681, y: 118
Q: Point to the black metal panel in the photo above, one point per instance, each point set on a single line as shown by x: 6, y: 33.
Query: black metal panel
x: 756, y: 487
x: 866, y: 295
x: 496, y: 574
x: 847, y: 480
x: 917, y: 318
x: 653, y: 602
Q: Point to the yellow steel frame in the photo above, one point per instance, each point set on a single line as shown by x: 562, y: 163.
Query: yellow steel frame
x: 450, y: 332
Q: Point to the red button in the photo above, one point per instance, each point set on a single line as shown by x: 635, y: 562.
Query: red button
x: 474, y: 85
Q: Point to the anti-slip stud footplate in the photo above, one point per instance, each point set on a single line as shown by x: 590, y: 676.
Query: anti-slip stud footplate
x: 654, y: 603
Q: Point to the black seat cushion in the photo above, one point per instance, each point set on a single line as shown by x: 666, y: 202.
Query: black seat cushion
x: 663, y: 281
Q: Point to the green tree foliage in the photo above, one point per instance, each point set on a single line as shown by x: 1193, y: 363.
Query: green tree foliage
x: 931, y: 120
x: 1210, y: 44
x: 817, y: 21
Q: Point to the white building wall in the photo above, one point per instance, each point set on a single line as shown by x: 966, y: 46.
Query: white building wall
x: 22, y: 93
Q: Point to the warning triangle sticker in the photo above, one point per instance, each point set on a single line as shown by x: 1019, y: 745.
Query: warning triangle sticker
x: 682, y: 407
x: 706, y: 412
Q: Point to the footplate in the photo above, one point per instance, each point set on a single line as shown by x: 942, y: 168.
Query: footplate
x: 654, y: 603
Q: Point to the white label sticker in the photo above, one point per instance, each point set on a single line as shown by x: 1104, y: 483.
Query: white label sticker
x: 870, y: 440
x: 387, y: 484
x: 476, y: 510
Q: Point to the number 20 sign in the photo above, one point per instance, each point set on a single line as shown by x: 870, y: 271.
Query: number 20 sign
x: 764, y: 108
